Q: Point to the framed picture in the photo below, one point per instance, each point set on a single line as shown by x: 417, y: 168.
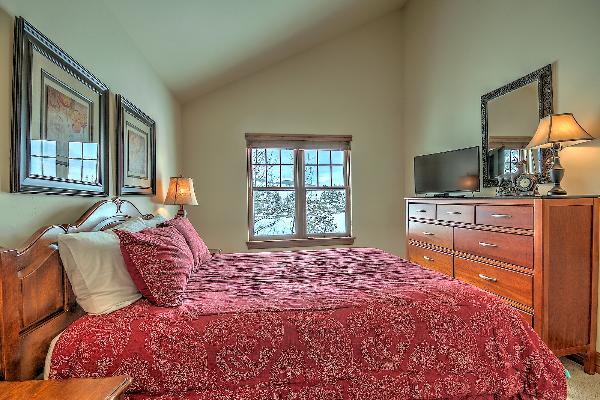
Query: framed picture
x: 136, y: 149
x: 60, y: 120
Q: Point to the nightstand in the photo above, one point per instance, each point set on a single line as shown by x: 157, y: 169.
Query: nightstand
x: 69, y: 389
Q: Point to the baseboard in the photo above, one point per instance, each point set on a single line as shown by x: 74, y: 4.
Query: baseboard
x: 579, y: 358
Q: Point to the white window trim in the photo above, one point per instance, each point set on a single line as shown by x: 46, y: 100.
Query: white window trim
x: 299, y: 143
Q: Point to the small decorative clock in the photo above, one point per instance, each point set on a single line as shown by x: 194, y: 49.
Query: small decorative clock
x: 518, y: 183
x: 526, y: 185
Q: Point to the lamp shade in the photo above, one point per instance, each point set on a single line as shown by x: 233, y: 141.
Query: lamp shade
x: 558, y: 128
x: 181, y: 191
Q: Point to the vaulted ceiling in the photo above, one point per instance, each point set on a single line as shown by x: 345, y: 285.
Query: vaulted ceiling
x: 196, y: 46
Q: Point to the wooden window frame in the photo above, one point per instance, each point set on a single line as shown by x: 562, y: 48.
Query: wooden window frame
x: 299, y: 143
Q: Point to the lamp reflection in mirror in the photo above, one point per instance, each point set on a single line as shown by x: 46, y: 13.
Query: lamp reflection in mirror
x: 181, y: 192
x: 558, y: 131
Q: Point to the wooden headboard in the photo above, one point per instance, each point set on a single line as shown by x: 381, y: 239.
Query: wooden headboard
x: 37, y: 301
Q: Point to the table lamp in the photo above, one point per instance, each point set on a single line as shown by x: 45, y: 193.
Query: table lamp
x: 558, y: 131
x: 181, y: 192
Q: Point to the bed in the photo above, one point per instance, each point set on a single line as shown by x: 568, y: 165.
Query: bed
x: 324, y: 324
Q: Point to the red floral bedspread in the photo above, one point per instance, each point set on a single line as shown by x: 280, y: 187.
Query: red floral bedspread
x: 330, y: 324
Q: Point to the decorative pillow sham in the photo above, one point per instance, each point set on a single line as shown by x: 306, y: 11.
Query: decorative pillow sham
x: 97, y: 272
x: 159, y: 262
x: 199, y: 249
x: 138, y: 224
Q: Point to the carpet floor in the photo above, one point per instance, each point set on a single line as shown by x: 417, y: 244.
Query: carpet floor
x: 581, y: 386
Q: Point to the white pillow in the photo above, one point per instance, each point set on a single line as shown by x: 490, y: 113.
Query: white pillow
x: 139, y: 224
x: 97, y: 271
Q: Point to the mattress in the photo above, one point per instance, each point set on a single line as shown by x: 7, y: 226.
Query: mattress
x: 324, y: 324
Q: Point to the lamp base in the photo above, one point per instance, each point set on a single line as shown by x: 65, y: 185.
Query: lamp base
x: 557, y: 191
x: 181, y: 212
x: 556, y: 174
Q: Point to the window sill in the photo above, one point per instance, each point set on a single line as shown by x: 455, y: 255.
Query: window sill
x: 288, y: 243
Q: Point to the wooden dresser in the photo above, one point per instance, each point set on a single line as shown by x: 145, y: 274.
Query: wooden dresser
x: 539, y: 254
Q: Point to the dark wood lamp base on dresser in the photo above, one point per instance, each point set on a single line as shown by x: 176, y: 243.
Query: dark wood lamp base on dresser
x: 539, y: 254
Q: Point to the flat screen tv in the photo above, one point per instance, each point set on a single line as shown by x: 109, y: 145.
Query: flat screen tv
x: 448, y: 172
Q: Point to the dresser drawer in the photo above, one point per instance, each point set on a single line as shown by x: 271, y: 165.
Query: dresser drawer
x: 431, y: 259
x: 421, y: 210
x: 456, y: 213
x: 505, y: 247
x: 509, y: 216
x: 503, y: 282
x: 525, y: 316
x: 437, y: 235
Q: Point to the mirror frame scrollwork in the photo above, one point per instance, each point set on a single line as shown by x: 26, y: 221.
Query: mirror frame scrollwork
x: 543, y: 76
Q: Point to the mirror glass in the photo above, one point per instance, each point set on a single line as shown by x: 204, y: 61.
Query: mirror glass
x: 512, y: 121
x: 509, y: 117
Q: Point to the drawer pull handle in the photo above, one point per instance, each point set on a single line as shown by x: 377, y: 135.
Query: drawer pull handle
x: 428, y: 233
x: 421, y: 211
x: 428, y: 258
x: 501, y: 215
x: 487, y: 278
x: 484, y: 244
x: 453, y: 212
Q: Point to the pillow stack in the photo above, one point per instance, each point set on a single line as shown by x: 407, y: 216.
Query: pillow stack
x: 97, y: 272
x: 199, y: 249
x: 109, y: 269
x: 160, y: 262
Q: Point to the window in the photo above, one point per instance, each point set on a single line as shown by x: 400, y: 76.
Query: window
x: 83, y: 161
x: 43, y: 158
x: 298, y: 190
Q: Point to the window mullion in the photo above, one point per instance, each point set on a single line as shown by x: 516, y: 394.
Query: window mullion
x: 300, y: 194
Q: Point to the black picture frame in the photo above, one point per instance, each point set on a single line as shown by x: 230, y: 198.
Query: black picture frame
x: 27, y: 40
x: 146, y: 186
x: 543, y: 77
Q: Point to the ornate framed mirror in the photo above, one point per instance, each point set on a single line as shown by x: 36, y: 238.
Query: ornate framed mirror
x: 509, y: 117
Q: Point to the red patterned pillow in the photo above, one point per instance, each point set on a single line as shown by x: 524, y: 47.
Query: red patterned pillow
x: 196, y: 244
x: 159, y: 262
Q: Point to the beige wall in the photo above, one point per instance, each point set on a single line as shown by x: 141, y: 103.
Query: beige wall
x: 87, y: 33
x: 350, y: 85
x: 458, y: 50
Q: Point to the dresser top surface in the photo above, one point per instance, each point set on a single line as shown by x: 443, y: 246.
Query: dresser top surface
x: 505, y: 201
x: 476, y: 198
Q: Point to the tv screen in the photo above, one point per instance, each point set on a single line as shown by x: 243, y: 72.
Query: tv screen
x: 450, y: 171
